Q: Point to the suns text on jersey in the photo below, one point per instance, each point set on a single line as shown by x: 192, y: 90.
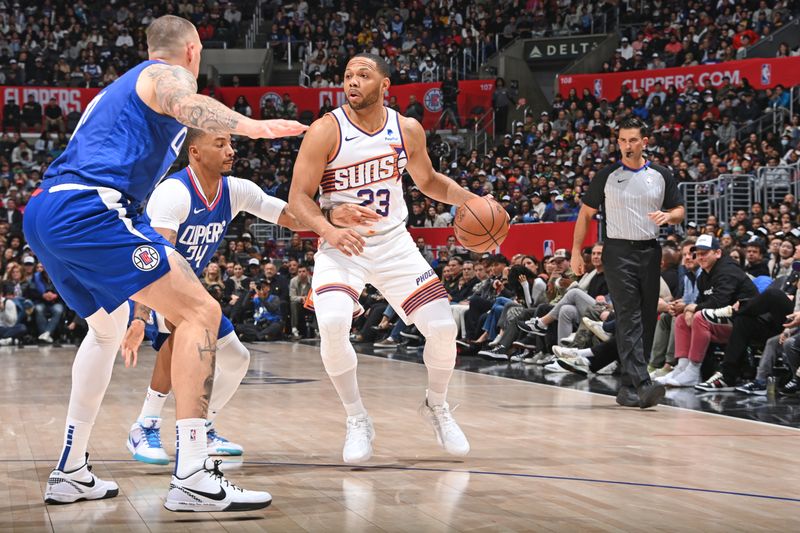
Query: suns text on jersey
x: 366, y: 172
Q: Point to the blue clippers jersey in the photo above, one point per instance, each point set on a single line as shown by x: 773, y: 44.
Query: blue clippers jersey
x: 200, y: 234
x: 121, y: 143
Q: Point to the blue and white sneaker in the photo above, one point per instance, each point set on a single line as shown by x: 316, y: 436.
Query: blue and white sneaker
x: 144, y: 441
x: 219, y: 445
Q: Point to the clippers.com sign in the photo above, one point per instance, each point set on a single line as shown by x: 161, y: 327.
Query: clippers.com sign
x: 761, y: 73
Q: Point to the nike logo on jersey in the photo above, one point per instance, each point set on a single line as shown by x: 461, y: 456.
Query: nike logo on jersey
x: 622, y: 181
x: 219, y: 496
x: 195, y: 211
x: 350, y: 138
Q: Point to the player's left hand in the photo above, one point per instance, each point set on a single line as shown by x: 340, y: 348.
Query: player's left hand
x: 131, y: 342
x: 349, y: 215
x: 283, y: 128
x: 659, y: 217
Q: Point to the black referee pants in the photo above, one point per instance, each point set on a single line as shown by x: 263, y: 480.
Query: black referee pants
x: 633, y: 274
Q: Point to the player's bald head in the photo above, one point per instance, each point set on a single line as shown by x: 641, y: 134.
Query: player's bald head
x: 169, y: 34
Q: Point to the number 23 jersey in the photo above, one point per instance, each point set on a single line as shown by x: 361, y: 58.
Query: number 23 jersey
x: 367, y: 169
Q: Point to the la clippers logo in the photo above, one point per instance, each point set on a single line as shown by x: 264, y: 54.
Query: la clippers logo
x: 146, y: 258
x: 275, y: 98
x: 433, y: 100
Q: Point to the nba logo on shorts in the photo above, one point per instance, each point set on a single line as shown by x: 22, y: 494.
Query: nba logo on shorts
x: 192, y: 435
x: 766, y: 74
x: 146, y: 258
x: 549, y: 247
x: 598, y: 88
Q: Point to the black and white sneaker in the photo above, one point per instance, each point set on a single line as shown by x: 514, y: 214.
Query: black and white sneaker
x: 715, y: 384
x: 755, y: 388
x: 207, y: 490
x: 791, y: 388
x: 533, y: 326
x: 78, y: 485
x: 525, y: 344
x: 498, y: 352
x: 412, y: 334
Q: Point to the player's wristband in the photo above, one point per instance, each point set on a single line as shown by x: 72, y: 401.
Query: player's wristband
x: 139, y: 318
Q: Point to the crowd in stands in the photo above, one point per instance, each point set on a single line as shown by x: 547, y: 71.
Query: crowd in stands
x: 91, y: 43
x: 699, y: 33
x: 539, y: 169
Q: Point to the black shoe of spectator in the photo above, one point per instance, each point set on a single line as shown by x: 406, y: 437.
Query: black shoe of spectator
x: 791, y: 388
x: 527, y: 343
x: 412, y: 334
x: 498, y: 352
x: 650, y: 394
x: 627, y: 396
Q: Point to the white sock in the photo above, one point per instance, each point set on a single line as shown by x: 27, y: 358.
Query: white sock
x: 91, y: 374
x: 436, y: 398
x: 585, y: 352
x: 153, y: 404
x: 76, y: 440
x: 191, y: 450
x: 346, y: 386
x: 683, y: 362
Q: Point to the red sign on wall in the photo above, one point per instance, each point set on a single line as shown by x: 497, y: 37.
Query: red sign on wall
x: 538, y: 239
x: 761, y: 73
x: 69, y: 99
x: 473, y: 93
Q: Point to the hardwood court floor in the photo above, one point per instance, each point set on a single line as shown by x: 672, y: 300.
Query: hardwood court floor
x: 543, y: 458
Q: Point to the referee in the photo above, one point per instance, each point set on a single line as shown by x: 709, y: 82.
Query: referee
x: 636, y: 197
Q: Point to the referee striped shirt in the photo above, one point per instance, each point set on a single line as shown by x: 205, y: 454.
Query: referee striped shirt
x: 627, y: 195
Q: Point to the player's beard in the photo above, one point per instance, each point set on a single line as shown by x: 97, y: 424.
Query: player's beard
x: 366, y: 100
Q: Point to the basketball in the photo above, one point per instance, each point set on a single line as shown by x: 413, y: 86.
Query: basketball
x: 481, y: 224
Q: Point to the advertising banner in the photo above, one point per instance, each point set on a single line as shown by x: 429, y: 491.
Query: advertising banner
x: 70, y: 99
x: 538, y: 239
x: 762, y: 73
x: 473, y: 93
x: 560, y: 48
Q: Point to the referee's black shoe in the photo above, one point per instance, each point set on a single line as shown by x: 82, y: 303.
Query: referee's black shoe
x: 627, y: 396
x: 650, y: 393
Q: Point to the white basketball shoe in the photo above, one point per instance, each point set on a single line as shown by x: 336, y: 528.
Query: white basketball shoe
x: 445, y: 427
x: 144, y: 441
x: 219, y: 445
x: 358, y: 441
x: 78, y: 485
x: 207, y: 490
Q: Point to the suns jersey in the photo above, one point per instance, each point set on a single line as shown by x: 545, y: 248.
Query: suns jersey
x: 367, y: 169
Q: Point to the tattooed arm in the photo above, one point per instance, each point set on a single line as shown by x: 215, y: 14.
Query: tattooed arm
x: 172, y: 90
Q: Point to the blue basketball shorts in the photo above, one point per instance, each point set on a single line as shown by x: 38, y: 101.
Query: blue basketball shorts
x: 97, y: 250
x: 161, y: 333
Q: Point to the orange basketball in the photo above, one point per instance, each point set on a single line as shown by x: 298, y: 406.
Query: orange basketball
x: 481, y: 224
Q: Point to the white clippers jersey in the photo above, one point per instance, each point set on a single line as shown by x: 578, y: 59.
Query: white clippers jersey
x: 367, y: 169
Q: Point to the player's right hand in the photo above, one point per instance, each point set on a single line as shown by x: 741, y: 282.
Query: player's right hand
x: 347, y: 241
x: 131, y: 342
x: 350, y: 215
x: 272, y: 129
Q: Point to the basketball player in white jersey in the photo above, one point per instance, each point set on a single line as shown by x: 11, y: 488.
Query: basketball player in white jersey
x: 357, y: 154
x: 192, y: 209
